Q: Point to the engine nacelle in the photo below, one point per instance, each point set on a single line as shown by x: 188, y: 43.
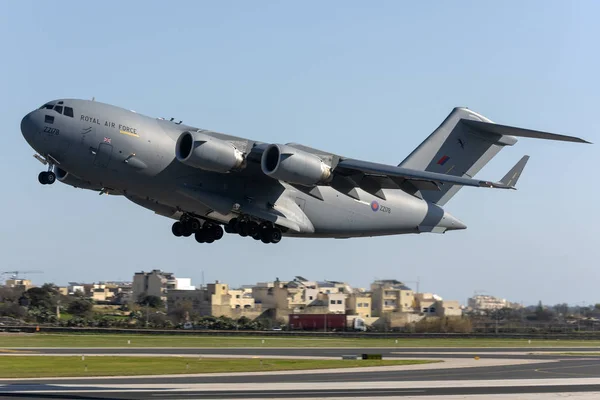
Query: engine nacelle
x: 72, y: 180
x: 203, y: 151
x: 288, y: 164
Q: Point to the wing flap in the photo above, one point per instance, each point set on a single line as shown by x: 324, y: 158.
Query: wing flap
x: 347, y: 166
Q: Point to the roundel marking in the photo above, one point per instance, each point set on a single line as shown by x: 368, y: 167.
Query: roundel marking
x: 374, y: 205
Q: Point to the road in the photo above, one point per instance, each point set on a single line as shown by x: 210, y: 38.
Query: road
x: 532, y: 372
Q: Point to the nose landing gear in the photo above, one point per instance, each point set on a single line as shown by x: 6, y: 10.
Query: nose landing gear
x: 46, y: 177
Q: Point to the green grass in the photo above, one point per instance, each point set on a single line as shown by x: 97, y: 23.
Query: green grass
x: 57, y: 366
x: 121, y: 340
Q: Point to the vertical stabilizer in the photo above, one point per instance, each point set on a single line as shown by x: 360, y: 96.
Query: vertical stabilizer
x: 455, y: 149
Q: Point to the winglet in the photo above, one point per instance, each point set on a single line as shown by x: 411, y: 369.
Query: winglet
x: 511, y: 178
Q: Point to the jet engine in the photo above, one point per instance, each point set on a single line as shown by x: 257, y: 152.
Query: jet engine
x: 203, y: 151
x: 286, y: 163
x: 70, y: 179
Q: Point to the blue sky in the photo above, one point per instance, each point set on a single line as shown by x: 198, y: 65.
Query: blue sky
x: 364, y: 79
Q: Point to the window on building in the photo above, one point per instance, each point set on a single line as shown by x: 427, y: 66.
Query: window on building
x: 432, y: 309
x: 310, y: 297
x: 425, y: 309
x: 332, y: 302
x: 339, y: 302
x: 223, y: 287
x: 237, y: 296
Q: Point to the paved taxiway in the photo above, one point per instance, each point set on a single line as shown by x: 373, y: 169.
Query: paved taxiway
x: 499, y: 371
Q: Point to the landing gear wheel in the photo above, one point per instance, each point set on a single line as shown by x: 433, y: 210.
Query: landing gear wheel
x: 200, y: 236
x: 194, y: 225
x: 217, y: 232
x: 252, y: 228
x: 232, y: 226
x: 186, y: 230
x: 243, y: 228
x: 50, y: 177
x: 275, y: 234
x: 257, y: 236
x: 177, y: 229
x: 43, y: 178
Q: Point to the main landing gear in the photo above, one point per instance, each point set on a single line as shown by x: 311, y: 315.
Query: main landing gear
x: 204, y: 233
x: 265, y: 231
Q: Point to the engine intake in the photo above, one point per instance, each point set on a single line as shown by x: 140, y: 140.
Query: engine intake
x: 286, y: 163
x: 203, y: 151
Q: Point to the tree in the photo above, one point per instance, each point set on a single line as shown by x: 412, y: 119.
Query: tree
x: 40, y: 298
x: 80, y: 307
x: 542, y: 314
x: 12, y: 310
x: 151, y: 301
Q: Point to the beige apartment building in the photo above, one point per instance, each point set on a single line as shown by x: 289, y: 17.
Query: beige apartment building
x: 359, y: 304
x: 389, y: 296
x: 216, y: 300
x: 158, y: 283
x: 22, y: 284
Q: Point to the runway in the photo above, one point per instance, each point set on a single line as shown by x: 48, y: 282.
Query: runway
x: 500, y: 371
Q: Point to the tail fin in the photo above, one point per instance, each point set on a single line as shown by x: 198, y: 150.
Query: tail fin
x: 463, y: 144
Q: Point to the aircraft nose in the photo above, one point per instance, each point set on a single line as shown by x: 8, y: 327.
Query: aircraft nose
x: 28, y: 127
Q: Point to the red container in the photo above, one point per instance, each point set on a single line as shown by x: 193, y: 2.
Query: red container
x: 317, y: 322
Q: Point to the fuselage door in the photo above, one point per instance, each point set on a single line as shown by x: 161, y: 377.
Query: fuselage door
x: 103, y: 155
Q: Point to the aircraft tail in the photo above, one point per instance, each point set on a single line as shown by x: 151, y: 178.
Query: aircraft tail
x: 462, y: 145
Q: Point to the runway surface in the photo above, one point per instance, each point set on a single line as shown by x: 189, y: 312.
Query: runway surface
x: 460, y: 375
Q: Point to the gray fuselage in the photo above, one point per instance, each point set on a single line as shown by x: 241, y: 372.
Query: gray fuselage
x: 103, y: 147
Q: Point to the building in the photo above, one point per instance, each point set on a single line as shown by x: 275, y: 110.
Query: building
x: 158, y: 283
x: 390, y: 295
x: 359, y: 304
x: 215, y: 300
x: 241, y: 298
x: 485, y: 302
x: 336, y: 303
x: 22, y: 284
x: 432, y: 305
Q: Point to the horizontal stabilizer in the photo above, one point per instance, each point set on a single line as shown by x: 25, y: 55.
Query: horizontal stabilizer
x: 489, y: 127
x: 511, y: 178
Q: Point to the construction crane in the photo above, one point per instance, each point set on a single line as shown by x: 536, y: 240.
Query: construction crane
x: 15, y: 274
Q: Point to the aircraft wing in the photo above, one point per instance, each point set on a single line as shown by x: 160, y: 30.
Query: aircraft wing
x: 350, y: 167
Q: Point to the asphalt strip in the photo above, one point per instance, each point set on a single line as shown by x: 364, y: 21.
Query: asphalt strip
x: 450, y: 363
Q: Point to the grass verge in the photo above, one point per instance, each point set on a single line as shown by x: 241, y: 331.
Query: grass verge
x: 124, y: 340
x: 74, y: 366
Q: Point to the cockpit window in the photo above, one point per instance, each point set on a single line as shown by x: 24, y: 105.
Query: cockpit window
x: 58, y: 109
x: 46, y: 106
x: 69, y: 112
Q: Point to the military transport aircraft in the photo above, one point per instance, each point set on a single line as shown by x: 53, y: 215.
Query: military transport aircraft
x: 206, y: 180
